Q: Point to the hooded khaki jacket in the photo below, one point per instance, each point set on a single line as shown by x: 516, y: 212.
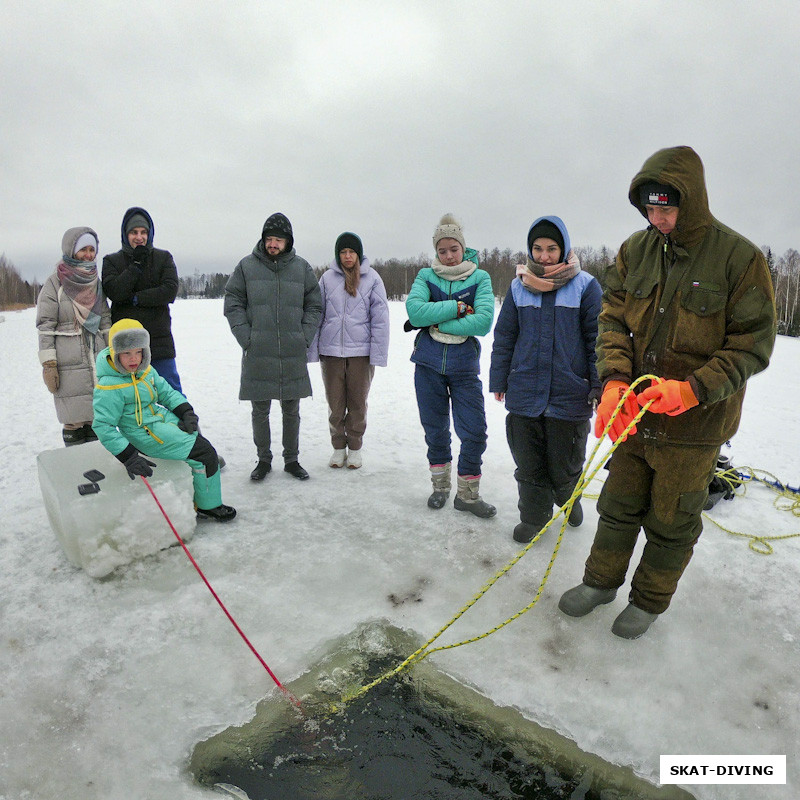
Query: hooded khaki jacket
x: 696, y: 305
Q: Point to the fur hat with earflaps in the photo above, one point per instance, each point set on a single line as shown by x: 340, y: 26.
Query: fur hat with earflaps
x: 128, y: 334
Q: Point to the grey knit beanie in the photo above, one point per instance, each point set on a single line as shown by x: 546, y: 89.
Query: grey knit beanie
x: 136, y: 221
x: 449, y: 228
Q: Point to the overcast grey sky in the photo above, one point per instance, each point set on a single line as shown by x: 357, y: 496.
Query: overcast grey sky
x: 378, y: 117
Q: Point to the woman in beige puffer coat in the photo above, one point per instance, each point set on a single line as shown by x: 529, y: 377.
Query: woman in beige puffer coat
x: 73, y: 320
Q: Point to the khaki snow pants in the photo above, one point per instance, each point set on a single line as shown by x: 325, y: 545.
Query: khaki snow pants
x: 661, y: 489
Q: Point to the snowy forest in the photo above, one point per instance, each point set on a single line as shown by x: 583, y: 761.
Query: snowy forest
x: 399, y: 274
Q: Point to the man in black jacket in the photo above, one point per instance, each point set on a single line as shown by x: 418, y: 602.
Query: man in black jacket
x: 141, y: 281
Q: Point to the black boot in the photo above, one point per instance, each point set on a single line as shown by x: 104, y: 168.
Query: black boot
x: 295, y: 470
x: 561, y: 495
x: 88, y: 433
x: 263, y: 468
x: 218, y: 514
x: 535, y: 509
x: 73, y: 437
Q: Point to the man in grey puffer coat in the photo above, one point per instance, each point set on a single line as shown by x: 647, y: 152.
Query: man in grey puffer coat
x: 273, y: 305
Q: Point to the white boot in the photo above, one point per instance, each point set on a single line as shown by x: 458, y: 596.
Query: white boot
x: 337, y: 459
x: 354, y: 459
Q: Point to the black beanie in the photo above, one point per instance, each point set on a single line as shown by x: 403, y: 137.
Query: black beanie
x: 278, y: 225
x: 659, y: 194
x: 550, y: 231
x: 348, y: 240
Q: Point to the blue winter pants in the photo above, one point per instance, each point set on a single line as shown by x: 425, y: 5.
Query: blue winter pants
x: 168, y: 370
x: 436, y: 393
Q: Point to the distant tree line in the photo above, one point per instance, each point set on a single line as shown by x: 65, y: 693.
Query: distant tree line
x: 198, y: 285
x: 14, y: 291
x: 399, y: 274
x: 786, y: 281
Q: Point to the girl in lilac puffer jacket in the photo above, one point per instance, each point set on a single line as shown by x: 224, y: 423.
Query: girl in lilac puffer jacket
x: 353, y: 339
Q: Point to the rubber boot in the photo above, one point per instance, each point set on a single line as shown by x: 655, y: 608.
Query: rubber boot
x: 535, y: 509
x: 632, y: 622
x: 468, y: 497
x: 580, y: 600
x: 440, y: 478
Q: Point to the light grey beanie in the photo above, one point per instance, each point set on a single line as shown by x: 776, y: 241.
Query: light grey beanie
x: 449, y: 228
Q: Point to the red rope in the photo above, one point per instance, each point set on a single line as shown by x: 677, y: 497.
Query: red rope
x: 264, y: 664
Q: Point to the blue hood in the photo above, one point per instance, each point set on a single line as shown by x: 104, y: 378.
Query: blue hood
x: 128, y: 214
x: 559, y: 223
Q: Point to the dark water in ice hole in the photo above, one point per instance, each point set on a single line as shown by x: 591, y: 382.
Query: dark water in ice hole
x: 394, y: 743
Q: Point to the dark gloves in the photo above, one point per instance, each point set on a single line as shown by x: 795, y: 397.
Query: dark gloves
x: 139, y: 258
x: 464, y: 309
x: 188, y: 421
x: 408, y: 327
x: 137, y: 464
x: 594, y: 396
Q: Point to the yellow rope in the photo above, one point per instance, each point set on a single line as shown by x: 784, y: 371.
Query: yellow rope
x: 786, y: 500
x: 738, y: 479
x: 426, y: 650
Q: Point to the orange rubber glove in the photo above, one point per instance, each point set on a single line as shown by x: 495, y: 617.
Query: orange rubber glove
x: 670, y: 397
x: 608, y: 402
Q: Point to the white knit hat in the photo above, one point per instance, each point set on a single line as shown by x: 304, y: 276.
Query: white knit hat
x: 85, y: 240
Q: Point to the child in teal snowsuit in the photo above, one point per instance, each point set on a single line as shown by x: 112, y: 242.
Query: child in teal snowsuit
x: 137, y: 412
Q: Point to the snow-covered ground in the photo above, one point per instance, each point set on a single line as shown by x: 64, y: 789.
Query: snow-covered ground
x: 108, y: 684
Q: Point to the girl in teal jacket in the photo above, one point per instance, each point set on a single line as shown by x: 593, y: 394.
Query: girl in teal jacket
x: 137, y: 412
x: 452, y: 302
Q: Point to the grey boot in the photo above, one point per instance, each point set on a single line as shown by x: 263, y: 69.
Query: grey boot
x: 580, y: 600
x: 632, y: 622
x: 468, y: 498
x: 440, y: 478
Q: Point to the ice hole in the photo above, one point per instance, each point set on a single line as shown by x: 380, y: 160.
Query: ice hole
x: 420, y: 735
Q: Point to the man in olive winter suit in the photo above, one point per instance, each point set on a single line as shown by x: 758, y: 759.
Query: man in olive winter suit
x: 690, y: 301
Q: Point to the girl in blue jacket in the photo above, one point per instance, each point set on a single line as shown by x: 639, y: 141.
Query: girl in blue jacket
x: 137, y: 413
x: 452, y: 303
x: 544, y: 366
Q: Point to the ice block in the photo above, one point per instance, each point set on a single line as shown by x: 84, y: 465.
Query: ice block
x: 101, y: 531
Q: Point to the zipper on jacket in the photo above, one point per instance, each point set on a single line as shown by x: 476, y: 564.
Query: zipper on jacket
x: 150, y: 433
x: 278, y: 329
